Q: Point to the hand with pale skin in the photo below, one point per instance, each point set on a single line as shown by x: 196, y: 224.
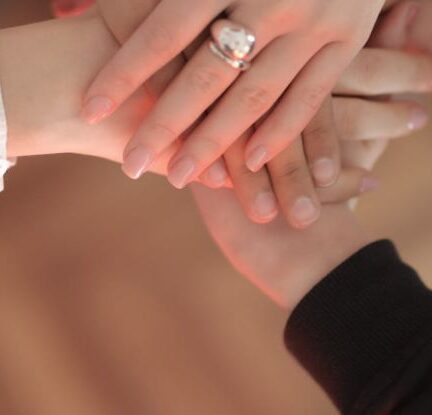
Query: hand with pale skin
x: 318, y: 39
x: 283, y: 263
x: 41, y: 123
x: 285, y: 184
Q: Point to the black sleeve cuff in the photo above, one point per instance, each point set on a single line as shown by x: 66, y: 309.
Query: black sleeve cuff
x: 361, y: 325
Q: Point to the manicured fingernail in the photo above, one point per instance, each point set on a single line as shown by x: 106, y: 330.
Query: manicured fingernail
x: 265, y: 206
x: 418, y: 119
x: 137, y: 161
x: 304, y: 212
x: 368, y: 184
x: 324, y: 172
x: 217, y: 174
x: 96, y: 109
x: 256, y: 159
x: 181, y: 172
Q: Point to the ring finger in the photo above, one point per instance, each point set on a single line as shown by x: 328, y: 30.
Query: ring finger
x: 246, y: 102
x: 202, y: 81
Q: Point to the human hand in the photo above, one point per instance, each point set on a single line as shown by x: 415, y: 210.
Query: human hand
x: 286, y: 264
x: 291, y: 184
x: 320, y: 44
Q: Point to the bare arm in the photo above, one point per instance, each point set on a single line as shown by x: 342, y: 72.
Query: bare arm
x: 44, y: 69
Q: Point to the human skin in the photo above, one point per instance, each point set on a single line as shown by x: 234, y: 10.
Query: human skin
x: 204, y: 78
x: 249, y: 187
x: 42, y: 87
x: 283, y: 263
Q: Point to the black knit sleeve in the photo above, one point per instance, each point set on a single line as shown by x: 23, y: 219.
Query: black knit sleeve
x: 365, y: 334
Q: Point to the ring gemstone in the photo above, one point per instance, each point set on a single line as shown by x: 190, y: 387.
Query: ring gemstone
x: 237, y: 43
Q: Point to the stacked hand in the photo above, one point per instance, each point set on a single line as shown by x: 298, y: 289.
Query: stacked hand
x: 286, y: 183
x: 298, y: 51
x: 286, y: 264
x: 265, y: 253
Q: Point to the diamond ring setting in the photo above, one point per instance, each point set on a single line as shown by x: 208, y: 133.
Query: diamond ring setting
x: 232, y: 43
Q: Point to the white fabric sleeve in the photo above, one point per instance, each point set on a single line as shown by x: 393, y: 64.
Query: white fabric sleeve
x: 5, y: 164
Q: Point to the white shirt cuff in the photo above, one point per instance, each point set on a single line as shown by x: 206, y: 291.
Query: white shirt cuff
x: 5, y: 164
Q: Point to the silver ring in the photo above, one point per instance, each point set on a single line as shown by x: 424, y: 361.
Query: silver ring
x: 235, y: 63
x: 232, y: 43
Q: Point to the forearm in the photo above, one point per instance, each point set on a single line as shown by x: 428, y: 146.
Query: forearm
x: 44, y: 69
x: 364, y: 334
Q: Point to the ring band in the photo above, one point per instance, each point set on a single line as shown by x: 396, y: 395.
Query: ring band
x: 232, y: 43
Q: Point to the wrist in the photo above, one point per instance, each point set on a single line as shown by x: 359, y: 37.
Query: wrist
x: 45, y: 68
x: 318, y: 251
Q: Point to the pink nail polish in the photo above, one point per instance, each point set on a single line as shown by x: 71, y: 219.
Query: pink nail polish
x: 419, y: 117
x: 368, y: 184
x: 256, y: 159
x: 324, y: 172
x: 181, y: 172
x: 97, y: 109
x: 304, y: 212
x: 137, y: 161
x: 217, y: 174
x: 265, y: 206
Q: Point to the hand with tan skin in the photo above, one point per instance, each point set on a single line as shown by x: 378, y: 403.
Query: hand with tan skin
x: 285, y: 264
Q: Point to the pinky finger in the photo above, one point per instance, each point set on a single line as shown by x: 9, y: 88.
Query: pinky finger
x: 359, y: 119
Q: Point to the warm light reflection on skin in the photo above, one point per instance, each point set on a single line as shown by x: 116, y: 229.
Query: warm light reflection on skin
x: 67, y: 8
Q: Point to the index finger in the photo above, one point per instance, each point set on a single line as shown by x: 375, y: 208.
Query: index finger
x: 156, y: 42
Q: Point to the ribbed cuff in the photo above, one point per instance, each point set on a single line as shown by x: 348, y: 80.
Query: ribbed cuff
x: 356, y: 322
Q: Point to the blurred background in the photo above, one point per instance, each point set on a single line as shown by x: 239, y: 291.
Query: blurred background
x: 113, y: 299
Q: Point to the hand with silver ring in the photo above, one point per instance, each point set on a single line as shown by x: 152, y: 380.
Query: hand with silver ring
x: 298, y: 52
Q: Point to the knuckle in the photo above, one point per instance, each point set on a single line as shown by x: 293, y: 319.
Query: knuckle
x: 123, y: 80
x: 370, y: 68
x: 161, y: 40
x: 348, y: 116
x: 256, y: 99
x: 312, y: 98
x: 204, y: 79
x: 283, y: 15
x: 161, y: 132
x: 294, y: 171
x: 210, y: 147
x: 319, y: 133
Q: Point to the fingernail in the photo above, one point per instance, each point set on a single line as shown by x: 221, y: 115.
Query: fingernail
x: 418, y: 119
x: 217, y: 174
x: 96, y: 109
x: 265, y: 206
x: 181, y: 172
x: 304, y: 212
x: 412, y: 13
x: 324, y: 172
x: 256, y: 159
x: 368, y: 184
x: 137, y: 161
